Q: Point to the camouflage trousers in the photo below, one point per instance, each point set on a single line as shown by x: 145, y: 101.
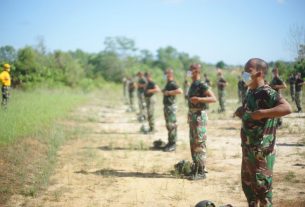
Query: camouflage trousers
x: 256, y: 176
x: 197, y: 123
x: 298, y: 100
x: 221, y: 99
x: 141, y: 103
x: 5, y: 95
x: 150, y: 105
x: 292, y: 93
x: 170, y: 120
x: 131, y: 99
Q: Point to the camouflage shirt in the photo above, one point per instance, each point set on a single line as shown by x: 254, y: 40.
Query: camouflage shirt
x: 170, y: 86
x: 141, y: 81
x: 197, y: 89
x: 276, y: 81
x: 150, y: 85
x: 259, y: 133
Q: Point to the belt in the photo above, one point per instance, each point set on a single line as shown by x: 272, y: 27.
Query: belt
x: 196, y: 109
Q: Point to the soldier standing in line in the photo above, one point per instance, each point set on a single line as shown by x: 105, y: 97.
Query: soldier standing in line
x: 298, y: 91
x: 186, y: 87
x: 150, y: 89
x: 209, y: 83
x: 131, y: 89
x: 199, y: 95
x: 5, y: 80
x: 242, y: 89
x: 259, y: 114
x: 291, y: 80
x: 221, y: 85
x: 170, y: 91
x: 141, y: 84
x: 277, y: 84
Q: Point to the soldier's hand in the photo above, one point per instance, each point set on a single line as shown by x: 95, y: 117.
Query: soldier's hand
x: 194, y: 100
x: 239, y: 112
x: 256, y: 115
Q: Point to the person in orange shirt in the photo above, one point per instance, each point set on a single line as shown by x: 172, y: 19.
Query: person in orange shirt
x: 5, y: 80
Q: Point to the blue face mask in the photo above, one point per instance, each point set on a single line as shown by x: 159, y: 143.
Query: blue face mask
x: 246, y: 77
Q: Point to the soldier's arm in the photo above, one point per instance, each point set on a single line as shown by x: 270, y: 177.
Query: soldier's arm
x: 210, y: 98
x: 156, y: 89
x: 173, y: 92
x: 281, y: 109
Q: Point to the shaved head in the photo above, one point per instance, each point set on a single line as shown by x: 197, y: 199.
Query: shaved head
x: 258, y: 64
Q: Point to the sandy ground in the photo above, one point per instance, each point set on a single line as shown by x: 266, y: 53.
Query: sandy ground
x: 112, y: 163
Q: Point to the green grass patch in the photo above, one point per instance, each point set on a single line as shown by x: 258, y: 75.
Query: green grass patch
x: 32, y: 111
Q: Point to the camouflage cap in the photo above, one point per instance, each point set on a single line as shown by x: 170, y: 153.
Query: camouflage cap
x: 205, y: 203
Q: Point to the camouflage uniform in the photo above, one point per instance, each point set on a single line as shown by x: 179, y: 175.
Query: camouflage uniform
x: 277, y: 81
x: 197, y: 119
x: 5, y: 95
x: 141, y: 97
x: 242, y: 88
x: 170, y: 109
x: 292, y: 87
x: 131, y: 88
x: 298, y: 93
x: 221, y: 94
x: 150, y: 105
x: 258, y: 147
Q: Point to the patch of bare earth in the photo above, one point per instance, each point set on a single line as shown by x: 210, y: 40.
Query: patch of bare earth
x: 113, y: 164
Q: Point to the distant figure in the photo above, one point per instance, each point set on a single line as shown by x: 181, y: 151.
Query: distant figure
x: 150, y: 90
x: 170, y: 91
x: 131, y: 89
x: 209, y: 83
x: 242, y: 89
x: 125, y: 89
x: 277, y: 83
x: 291, y: 80
x: 221, y: 85
x: 299, y: 82
x: 5, y: 80
x: 186, y: 87
x: 141, y: 84
x: 259, y: 114
x: 199, y: 95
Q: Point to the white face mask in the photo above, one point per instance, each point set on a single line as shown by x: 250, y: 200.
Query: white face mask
x: 246, y: 77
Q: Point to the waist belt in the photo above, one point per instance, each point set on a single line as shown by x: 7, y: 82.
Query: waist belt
x: 196, y: 109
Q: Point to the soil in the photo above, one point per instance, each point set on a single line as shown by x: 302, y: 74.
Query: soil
x: 112, y: 162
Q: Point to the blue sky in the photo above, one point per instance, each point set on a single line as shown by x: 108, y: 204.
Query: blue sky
x: 229, y: 30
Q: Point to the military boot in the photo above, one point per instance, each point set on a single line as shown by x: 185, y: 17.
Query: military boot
x: 170, y: 147
x: 198, y: 173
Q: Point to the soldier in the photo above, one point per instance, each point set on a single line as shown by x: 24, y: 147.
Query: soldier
x: 150, y: 89
x: 141, y: 84
x: 170, y: 91
x: 259, y: 114
x: 242, y: 88
x: 221, y: 85
x: 131, y: 88
x: 199, y: 95
x: 5, y: 80
x: 186, y: 87
x: 277, y: 84
x: 291, y: 80
x: 299, y: 82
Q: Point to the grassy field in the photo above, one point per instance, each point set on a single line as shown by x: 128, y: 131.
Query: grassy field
x: 33, y: 111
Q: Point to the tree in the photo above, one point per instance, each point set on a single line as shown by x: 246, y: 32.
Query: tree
x: 221, y: 64
x: 296, y: 41
x: 7, y: 54
x: 120, y: 45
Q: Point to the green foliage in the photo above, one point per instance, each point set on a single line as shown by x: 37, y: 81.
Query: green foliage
x: 221, y: 64
x: 35, y: 110
x: 299, y: 66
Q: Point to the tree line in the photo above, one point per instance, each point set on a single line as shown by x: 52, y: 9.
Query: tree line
x: 34, y: 65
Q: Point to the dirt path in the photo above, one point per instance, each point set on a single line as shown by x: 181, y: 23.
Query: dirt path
x: 112, y: 163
